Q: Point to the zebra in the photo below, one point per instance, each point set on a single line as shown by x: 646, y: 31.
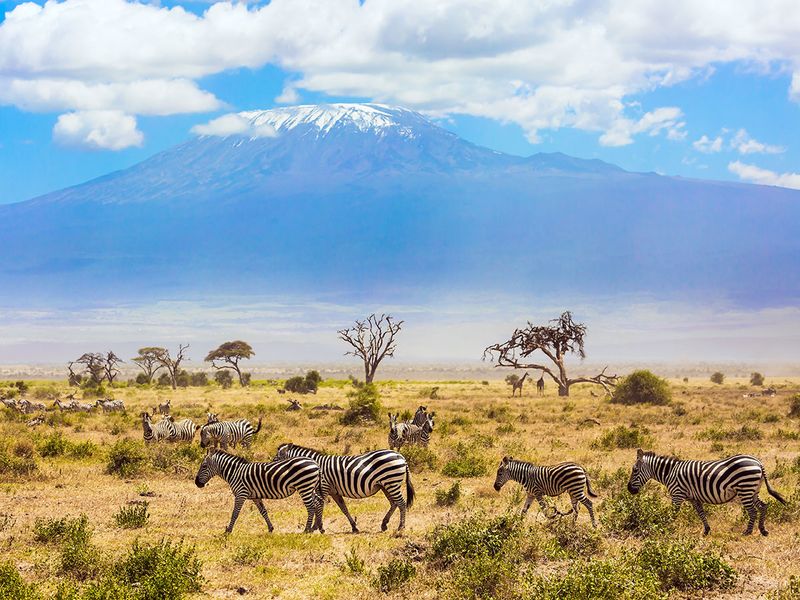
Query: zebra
x: 257, y: 481
x: 397, y: 431
x: 417, y: 436
x: 707, y: 482
x: 163, y: 430
x: 420, y: 416
x: 109, y: 405
x: 184, y: 429
x: 69, y: 406
x: 540, y: 481
x: 360, y: 476
x: 9, y: 403
x: 228, y: 432
x: 27, y: 407
x: 212, y: 418
x: 163, y: 408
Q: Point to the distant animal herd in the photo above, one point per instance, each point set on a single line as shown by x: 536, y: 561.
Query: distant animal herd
x: 315, y: 475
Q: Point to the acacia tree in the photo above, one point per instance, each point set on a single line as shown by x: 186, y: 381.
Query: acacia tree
x: 148, y: 361
x: 228, y: 355
x: 93, y: 366
x: 562, y: 337
x: 172, y: 365
x: 372, y: 340
x: 110, y: 363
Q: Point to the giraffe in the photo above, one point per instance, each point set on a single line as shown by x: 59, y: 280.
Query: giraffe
x: 518, y: 385
x: 540, y: 385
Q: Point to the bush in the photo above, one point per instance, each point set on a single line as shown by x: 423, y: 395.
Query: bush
x: 79, y: 558
x: 56, y: 444
x: 132, y: 517
x: 466, y: 463
x: 303, y: 385
x: 354, y: 563
x: 789, y: 592
x: 570, y: 540
x: 473, y: 537
x: 717, y: 378
x: 13, y: 586
x: 598, y: 580
x: 623, y: 437
x: 512, y: 379
x: 394, y: 575
x: 481, y: 578
x: 640, y: 515
x: 198, y: 379
x: 642, y: 387
x: 56, y: 531
x: 419, y: 458
x: 365, y: 405
x: 677, y: 565
x: 12, y: 464
x: 794, y: 406
x: 224, y: 378
x: 141, y: 379
x: 160, y: 571
x: 744, y: 433
x: 126, y: 458
x: 756, y: 379
x: 449, y: 497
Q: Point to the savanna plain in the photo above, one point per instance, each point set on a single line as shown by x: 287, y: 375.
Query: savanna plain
x: 87, y: 510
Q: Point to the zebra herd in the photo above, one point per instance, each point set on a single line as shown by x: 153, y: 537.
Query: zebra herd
x: 415, y: 432
x: 214, y: 433
x: 27, y: 407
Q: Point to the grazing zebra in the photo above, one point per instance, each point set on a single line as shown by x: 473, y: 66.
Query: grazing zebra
x: 184, y: 429
x: 111, y: 405
x: 226, y: 433
x: 548, y: 481
x: 27, y: 407
x: 9, y: 403
x: 163, y: 430
x: 257, y: 481
x: 360, y: 476
x: 420, y: 416
x: 707, y: 482
x: 69, y: 406
x: 417, y: 436
x: 163, y: 408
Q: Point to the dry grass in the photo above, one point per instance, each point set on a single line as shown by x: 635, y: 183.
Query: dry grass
x: 288, y: 564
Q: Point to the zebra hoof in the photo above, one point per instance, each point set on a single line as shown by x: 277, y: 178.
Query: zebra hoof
x: 764, y: 532
x: 748, y: 532
x: 384, y: 526
x: 706, y: 531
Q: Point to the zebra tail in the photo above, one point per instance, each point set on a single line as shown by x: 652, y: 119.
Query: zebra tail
x: 409, y: 489
x: 589, y: 488
x: 259, y: 425
x: 772, y: 492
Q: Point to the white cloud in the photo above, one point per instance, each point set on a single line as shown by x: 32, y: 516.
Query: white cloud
x: 289, y: 95
x: 97, y: 130
x: 708, y: 146
x: 234, y: 124
x: 756, y: 174
x: 662, y: 119
x: 541, y: 65
x: 747, y: 145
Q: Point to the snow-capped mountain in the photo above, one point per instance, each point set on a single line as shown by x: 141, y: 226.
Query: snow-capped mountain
x: 365, y: 198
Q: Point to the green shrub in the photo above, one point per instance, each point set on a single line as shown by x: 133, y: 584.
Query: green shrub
x: 57, y: 531
x: 791, y: 591
x: 13, y: 586
x: 394, y: 575
x: 365, y: 405
x: 126, y: 458
x: 466, y: 462
x: 480, y: 578
x: 132, y: 517
x: 642, y: 387
x: 756, y: 379
x: 79, y: 558
x: 717, y: 378
x: 640, y: 515
x: 744, y: 433
x: 160, y: 571
x: 419, y: 458
x: 353, y: 563
x: 223, y: 378
x: 248, y: 555
x: 678, y: 565
x: 472, y: 537
x: 450, y: 496
x: 623, y: 437
x: 794, y: 406
x: 56, y: 444
x: 598, y: 580
x: 571, y: 540
x: 17, y: 462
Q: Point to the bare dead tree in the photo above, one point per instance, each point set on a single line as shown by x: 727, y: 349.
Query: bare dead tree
x: 148, y: 361
x: 172, y: 365
x: 110, y: 366
x: 564, y: 336
x: 73, y: 378
x: 372, y: 340
x: 93, y: 366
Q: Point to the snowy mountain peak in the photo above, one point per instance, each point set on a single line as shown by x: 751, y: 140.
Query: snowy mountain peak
x: 324, y: 118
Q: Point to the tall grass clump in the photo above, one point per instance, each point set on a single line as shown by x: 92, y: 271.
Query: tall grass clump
x: 467, y: 461
x: 614, y: 579
x: 794, y: 406
x: 642, y: 387
x: 449, y: 497
x: 623, y: 437
x: 160, y: 571
x: 132, y: 517
x: 126, y: 458
x: 640, y: 515
x: 394, y: 575
x: 679, y: 565
x: 12, y: 585
x: 365, y: 405
x: 18, y: 460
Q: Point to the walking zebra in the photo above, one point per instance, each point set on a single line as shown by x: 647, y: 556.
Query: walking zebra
x: 257, y: 481
x: 548, y: 481
x: 224, y: 433
x: 413, y: 435
x: 163, y: 430
x: 360, y: 476
x: 184, y: 429
x: 707, y: 482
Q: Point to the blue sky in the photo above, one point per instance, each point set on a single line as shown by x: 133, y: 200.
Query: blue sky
x: 91, y: 86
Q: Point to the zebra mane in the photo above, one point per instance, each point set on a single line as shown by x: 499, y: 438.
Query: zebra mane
x: 235, y: 458
x: 299, y: 447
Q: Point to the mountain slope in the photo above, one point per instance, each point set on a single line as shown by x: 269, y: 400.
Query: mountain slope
x: 361, y: 200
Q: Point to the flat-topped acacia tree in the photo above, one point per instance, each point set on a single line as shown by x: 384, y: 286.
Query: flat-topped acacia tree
x: 372, y: 340
x: 148, y: 360
x: 561, y: 337
x: 228, y: 355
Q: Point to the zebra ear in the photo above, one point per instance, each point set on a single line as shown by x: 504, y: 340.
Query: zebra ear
x: 639, y: 453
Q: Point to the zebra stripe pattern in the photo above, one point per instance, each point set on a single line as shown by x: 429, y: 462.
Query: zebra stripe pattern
x: 360, y: 476
x: 258, y: 481
x: 707, y: 482
x: 228, y: 433
x: 163, y: 430
x: 407, y: 434
x: 540, y: 481
x: 184, y: 429
x: 397, y: 431
x: 420, y: 417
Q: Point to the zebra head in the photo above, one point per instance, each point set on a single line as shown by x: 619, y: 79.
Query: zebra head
x: 208, y: 468
x: 212, y: 418
x: 428, y: 424
x: 503, y: 473
x: 393, y: 422
x: 283, y: 452
x: 642, y: 471
x: 208, y: 433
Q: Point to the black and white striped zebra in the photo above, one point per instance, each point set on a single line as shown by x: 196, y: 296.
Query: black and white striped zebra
x: 540, y: 481
x: 361, y: 476
x: 707, y: 482
x: 397, y: 431
x: 184, y: 429
x: 228, y: 433
x: 164, y: 430
x: 420, y: 417
x: 259, y: 481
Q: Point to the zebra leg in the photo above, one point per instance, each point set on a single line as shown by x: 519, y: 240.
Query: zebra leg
x: 762, y: 516
x: 574, y: 502
x: 698, y: 507
x: 749, y: 506
x: 529, y: 501
x: 263, y: 510
x: 395, y: 498
x: 343, y: 507
x: 590, y: 507
x: 238, y: 502
x: 312, y: 508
